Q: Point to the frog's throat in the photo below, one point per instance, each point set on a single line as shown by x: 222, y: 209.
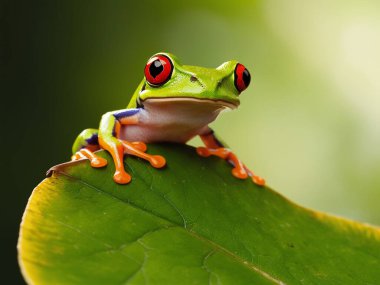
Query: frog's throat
x: 217, y: 103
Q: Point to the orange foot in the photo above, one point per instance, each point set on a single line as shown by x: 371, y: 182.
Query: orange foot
x: 132, y: 148
x: 239, y: 170
x: 136, y: 149
x: 96, y: 161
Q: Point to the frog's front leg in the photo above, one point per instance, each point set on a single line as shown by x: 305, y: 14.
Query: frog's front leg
x: 109, y: 133
x: 215, y: 147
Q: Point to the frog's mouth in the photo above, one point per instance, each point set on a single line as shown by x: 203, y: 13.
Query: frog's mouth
x: 218, y: 104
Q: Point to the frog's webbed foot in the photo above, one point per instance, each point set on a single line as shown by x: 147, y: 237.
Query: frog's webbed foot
x: 122, y: 147
x: 239, y: 170
x: 95, y: 161
x: 118, y: 148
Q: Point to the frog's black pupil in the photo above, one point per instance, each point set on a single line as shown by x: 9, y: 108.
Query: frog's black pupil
x: 246, y: 77
x: 156, y: 68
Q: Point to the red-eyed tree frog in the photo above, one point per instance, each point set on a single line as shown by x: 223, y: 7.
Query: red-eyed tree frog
x: 173, y: 103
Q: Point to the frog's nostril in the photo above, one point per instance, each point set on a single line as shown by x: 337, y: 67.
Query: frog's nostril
x: 193, y: 78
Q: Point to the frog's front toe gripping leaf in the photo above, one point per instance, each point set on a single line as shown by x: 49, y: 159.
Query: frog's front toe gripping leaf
x: 239, y: 170
x: 132, y: 148
x: 95, y: 161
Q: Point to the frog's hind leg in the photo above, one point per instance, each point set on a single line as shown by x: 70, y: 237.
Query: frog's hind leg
x: 84, y: 147
x: 216, y: 147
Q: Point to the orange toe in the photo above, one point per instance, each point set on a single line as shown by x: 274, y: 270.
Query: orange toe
x: 258, y: 180
x: 239, y: 173
x: 121, y: 177
x: 140, y: 146
x: 75, y: 157
x: 98, y: 162
x: 157, y: 161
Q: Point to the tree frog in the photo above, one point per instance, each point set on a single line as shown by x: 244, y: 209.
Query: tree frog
x: 173, y: 103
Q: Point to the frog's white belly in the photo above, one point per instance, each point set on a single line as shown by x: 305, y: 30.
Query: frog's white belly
x: 175, y: 120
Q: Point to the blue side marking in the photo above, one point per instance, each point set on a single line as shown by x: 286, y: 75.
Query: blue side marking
x: 93, y: 139
x: 126, y: 113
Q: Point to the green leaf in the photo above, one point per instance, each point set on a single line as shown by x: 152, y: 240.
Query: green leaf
x: 190, y: 223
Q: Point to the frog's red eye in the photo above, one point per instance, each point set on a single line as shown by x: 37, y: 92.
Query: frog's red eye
x: 158, y: 70
x: 242, y: 77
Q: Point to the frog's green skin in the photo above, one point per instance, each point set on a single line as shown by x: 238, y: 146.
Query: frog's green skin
x: 178, y: 109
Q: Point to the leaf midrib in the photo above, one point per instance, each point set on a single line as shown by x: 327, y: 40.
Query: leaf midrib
x: 193, y: 234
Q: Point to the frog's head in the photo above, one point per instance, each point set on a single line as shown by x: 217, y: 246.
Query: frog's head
x: 166, y: 78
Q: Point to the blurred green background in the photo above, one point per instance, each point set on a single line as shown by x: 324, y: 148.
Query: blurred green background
x: 309, y: 124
